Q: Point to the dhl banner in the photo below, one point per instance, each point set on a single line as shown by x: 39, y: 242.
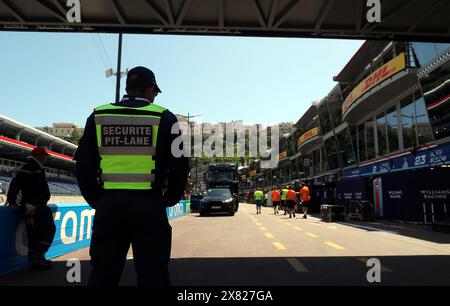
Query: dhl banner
x: 308, y: 135
x: 395, y: 65
x: 282, y: 155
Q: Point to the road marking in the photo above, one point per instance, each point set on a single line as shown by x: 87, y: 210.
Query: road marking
x: 312, y: 235
x: 298, y: 228
x: 279, y: 245
x: 263, y: 228
x: 383, y: 268
x: 332, y: 227
x: 334, y: 245
x: 289, y: 224
x: 297, y: 265
x: 268, y: 235
x: 259, y: 224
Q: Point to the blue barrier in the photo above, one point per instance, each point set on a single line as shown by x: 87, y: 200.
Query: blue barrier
x: 179, y: 210
x: 73, y: 231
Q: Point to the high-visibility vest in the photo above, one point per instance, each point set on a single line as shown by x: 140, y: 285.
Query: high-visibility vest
x: 283, y: 194
x: 127, y: 140
x: 275, y: 196
x: 291, y: 195
x: 304, y: 194
x: 258, y: 195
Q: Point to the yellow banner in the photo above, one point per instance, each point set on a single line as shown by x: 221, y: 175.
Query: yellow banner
x: 282, y: 155
x: 395, y: 65
x: 308, y: 135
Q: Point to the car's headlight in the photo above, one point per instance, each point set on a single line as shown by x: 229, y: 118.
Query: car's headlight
x: 228, y: 201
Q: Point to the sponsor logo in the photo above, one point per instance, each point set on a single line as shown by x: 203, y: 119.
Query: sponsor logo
x: 392, y: 67
x: 395, y: 194
x: 308, y: 135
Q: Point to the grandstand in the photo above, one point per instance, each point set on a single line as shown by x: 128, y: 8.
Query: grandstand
x: 17, y: 140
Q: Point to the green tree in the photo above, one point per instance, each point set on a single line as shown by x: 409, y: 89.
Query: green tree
x: 74, y: 136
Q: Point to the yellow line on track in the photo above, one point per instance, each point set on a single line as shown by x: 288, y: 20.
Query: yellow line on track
x: 334, y: 245
x: 383, y: 268
x: 269, y: 235
x: 297, y: 265
x: 263, y: 228
x: 298, y: 228
x: 279, y: 246
x: 312, y: 235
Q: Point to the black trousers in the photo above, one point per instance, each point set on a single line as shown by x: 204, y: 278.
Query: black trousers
x: 41, y: 232
x: 124, y: 218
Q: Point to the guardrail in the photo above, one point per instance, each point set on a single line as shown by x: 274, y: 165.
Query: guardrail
x: 73, y: 231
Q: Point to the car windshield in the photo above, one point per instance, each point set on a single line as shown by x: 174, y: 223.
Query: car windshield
x: 221, y: 176
x: 219, y: 192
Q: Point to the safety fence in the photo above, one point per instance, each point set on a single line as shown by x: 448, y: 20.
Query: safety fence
x: 73, y: 231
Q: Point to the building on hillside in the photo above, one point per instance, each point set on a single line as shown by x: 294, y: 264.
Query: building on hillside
x: 61, y: 130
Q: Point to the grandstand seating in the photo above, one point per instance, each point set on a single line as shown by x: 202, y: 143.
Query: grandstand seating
x: 57, y: 187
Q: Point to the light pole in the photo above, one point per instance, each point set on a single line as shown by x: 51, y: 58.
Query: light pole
x: 118, y: 73
x: 189, y: 135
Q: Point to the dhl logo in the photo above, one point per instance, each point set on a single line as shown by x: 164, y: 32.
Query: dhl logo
x: 308, y: 135
x: 377, y: 77
x: 389, y: 69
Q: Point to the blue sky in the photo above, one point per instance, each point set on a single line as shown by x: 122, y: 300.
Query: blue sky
x: 59, y: 77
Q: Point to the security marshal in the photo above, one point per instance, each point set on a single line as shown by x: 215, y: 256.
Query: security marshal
x: 127, y: 172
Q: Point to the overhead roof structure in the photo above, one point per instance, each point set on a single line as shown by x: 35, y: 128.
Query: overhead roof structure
x: 307, y: 117
x: 19, y: 151
x: 366, y: 53
x: 400, y: 19
x: 18, y: 131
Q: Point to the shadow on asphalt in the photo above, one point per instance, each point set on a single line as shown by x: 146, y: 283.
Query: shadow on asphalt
x: 264, y: 271
x: 422, y: 232
x: 215, y: 215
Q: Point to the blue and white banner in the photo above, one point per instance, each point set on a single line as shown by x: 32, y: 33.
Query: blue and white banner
x: 179, y: 210
x: 73, y: 231
x: 421, y: 159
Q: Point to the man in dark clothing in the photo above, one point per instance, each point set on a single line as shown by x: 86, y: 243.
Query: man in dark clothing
x: 131, y: 208
x: 31, y: 182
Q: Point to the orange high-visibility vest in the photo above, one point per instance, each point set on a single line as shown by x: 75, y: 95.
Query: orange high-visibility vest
x: 275, y: 196
x: 291, y: 195
x: 304, y: 194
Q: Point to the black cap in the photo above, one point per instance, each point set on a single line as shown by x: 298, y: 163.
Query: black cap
x: 142, y: 76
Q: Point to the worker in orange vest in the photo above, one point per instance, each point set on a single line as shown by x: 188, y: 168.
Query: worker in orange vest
x: 291, y: 200
x: 305, y: 198
x: 276, y: 198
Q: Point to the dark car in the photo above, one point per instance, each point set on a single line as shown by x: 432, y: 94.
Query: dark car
x: 196, y: 198
x: 218, y: 200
